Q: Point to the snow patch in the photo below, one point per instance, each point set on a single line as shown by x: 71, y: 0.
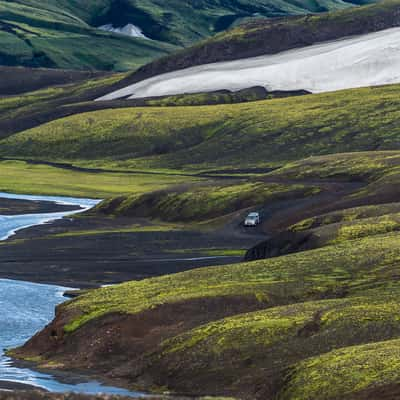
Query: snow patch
x: 367, y: 60
x: 127, y: 30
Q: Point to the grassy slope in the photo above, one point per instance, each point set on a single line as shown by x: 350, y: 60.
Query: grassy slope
x: 263, y: 133
x: 41, y: 35
x: 371, y: 178
x: 27, y: 110
x: 379, y: 169
x: 356, y: 369
x: 19, y: 177
x: 297, y: 331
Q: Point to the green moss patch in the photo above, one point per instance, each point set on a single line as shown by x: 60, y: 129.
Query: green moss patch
x: 344, y: 372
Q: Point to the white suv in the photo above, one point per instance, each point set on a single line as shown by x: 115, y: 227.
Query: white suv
x: 253, y: 219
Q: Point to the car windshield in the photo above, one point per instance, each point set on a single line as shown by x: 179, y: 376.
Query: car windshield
x: 252, y: 217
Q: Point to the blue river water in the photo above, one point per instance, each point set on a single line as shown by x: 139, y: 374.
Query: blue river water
x: 9, y: 225
x: 27, y: 307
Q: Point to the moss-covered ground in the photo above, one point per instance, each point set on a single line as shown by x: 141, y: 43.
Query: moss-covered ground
x: 204, y: 202
x: 21, y: 177
x: 256, y: 134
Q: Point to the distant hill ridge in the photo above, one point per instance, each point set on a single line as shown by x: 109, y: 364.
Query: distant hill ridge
x: 63, y: 34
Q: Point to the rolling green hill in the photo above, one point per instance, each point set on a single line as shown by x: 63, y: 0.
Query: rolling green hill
x: 37, y: 35
x: 247, y: 135
x: 63, y: 34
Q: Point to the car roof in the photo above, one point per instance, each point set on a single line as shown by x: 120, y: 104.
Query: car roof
x: 254, y: 214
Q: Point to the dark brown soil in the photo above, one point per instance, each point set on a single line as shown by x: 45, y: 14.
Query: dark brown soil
x: 114, y: 346
x: 15, y: 207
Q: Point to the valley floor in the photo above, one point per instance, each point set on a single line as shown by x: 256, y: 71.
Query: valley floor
x: 94, y: 251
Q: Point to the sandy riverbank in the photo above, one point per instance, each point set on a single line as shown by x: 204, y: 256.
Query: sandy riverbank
x: 16, y: 207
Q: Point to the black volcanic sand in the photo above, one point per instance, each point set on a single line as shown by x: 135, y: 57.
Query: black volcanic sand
x: 40, y: 395
x: 41, y: 254
x: 15, y: 207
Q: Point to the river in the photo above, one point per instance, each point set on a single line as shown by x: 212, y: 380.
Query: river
x: 27, y: 307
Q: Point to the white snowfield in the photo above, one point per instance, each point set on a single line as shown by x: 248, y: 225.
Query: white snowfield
x: 367, y: 60
x: 128, y: 30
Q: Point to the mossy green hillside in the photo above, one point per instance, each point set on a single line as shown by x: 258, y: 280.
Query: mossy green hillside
x: 252, y: 134
x: 265, y: 343
x: 374, y: 175
x: 356, y: 369
x: 34, y: 34
x: 353, y: 166
x: 247, y: 32
x: 44, y: 33
x: 348, y: 215
x: 333, y: 232
x: 367, y: 318
x: 348, y: 267
x: 26, y: 110
x: 203, y: 202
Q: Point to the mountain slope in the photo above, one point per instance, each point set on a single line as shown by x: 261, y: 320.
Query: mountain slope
x: 183, y: 23
x: 263, y: 36
x: 36, y: 36
x: 35, y: 33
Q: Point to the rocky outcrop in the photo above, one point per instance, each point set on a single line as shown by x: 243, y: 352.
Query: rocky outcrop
x: 283, y: 243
